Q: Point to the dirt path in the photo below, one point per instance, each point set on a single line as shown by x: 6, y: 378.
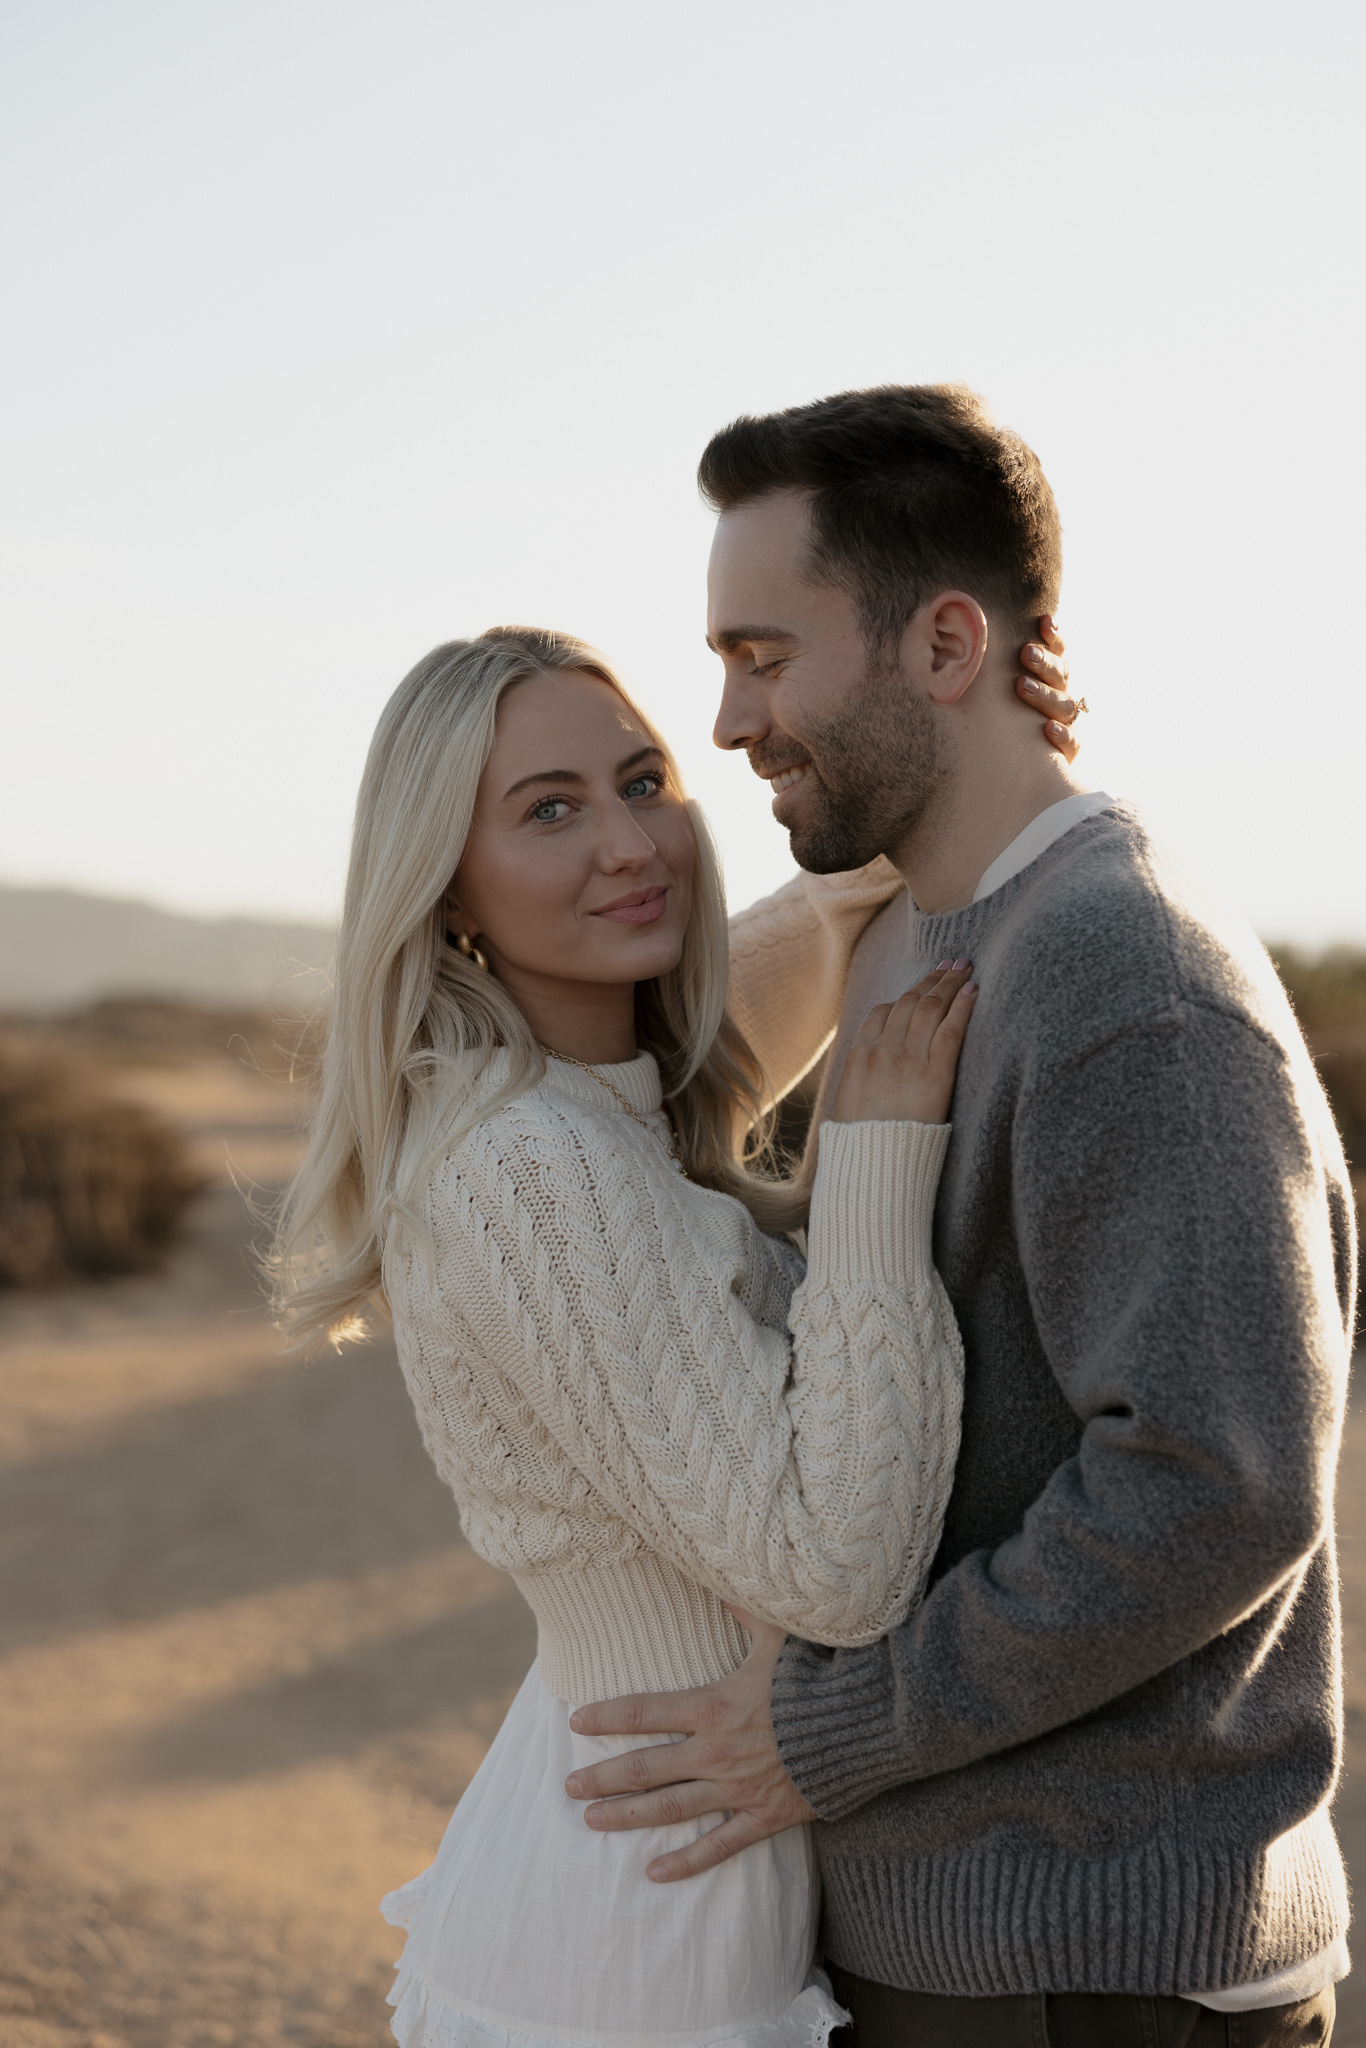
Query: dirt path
x: 249, y: 1664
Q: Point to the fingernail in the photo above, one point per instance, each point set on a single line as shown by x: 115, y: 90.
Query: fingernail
x: 593, y: 1815
x: 969, y: 988
x: 571, y: 1784
x: 1030, y: 687
x: 962, y: 961
x: 1053, y: 726
x: 940, y: 968
x: 574, y: 1724
x: 1034, y: 654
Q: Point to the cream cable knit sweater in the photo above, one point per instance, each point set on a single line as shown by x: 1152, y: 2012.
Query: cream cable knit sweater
x: 639, y: 1415
x: 789, y: 963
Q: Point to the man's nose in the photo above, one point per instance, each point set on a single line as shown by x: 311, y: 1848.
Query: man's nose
x: 741, y: 720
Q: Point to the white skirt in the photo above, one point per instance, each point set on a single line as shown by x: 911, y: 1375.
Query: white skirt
x: 532, y: 1929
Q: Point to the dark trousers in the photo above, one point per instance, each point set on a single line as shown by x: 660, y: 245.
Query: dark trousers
x: 886, y: 2018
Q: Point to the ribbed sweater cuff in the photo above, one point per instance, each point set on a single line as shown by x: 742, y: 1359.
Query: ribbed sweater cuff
x: 873, y: 1202
x: 835, y: 1726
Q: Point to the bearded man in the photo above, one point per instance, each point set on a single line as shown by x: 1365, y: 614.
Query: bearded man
x: 1081, y: 1795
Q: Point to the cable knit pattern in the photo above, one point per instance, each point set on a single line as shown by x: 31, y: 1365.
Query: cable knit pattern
x: 644, y: 1409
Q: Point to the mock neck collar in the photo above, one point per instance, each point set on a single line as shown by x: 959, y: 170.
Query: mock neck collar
x: 637, y: 1080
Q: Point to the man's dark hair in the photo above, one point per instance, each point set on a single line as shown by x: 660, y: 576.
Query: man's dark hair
x: 916, y: 490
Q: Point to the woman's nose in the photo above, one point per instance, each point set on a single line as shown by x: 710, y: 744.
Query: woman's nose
x: 626, y: 844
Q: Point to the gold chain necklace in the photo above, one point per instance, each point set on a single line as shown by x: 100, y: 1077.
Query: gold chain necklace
x: 629, y: 1107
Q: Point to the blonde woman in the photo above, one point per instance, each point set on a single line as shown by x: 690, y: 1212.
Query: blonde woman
x: 535, y: 1145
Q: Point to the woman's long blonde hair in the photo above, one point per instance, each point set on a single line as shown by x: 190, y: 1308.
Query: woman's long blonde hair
x: 413, y: 1022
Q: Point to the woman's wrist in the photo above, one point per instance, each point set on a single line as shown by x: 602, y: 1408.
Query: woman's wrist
x: 872, y: 1202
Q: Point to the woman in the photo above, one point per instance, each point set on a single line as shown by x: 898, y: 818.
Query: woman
x: 643, y: 1405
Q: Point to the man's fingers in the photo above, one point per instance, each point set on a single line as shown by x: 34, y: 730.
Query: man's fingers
x: 635, y: 1770
x: 661, y: 1809
x: 720, y: 1843
x: 641, y: 1713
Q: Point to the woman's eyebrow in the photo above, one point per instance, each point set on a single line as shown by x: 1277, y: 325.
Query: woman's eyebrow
x: 543, y: 775
x: 572, y: 775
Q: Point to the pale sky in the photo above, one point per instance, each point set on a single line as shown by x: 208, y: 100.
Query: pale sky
x: 337, y: 330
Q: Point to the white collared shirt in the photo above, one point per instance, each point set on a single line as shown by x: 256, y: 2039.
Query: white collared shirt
x: 1039, y: 834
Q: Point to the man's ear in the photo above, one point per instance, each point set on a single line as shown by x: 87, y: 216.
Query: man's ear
x: 945, y: 644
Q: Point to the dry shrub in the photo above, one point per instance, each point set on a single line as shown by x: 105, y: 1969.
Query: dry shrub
x: 1326, y: 988
x: 1328, y: 991
x: 1342, y: 1069
x: 89, y: 1185
x: 134, y: 1030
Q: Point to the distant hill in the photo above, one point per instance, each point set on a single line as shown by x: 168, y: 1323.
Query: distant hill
x: 60, y: 948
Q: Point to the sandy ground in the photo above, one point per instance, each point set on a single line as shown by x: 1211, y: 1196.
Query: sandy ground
x: 248, y: 1662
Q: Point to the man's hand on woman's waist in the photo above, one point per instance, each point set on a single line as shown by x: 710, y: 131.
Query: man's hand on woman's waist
x: 727, y: 1763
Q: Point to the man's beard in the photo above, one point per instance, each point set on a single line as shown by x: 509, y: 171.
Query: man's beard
x: 877, y: 767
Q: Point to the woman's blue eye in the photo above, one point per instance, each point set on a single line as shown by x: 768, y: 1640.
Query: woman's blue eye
x: 547, y: 811
x: 644, y: 785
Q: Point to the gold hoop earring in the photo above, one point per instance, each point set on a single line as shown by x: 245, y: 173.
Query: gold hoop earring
x: 466, y: 948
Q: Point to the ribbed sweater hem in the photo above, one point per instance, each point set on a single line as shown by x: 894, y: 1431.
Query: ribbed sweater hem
x: 982, y: 1921
x: 637, y: 1626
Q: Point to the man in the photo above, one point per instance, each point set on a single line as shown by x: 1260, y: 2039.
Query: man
x: 1081, y: 1796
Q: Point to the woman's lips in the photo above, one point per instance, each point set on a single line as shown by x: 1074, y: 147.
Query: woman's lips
x: 642, y: 906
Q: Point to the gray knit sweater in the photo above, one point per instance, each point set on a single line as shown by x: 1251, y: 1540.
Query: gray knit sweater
x: 1098, y: 1757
